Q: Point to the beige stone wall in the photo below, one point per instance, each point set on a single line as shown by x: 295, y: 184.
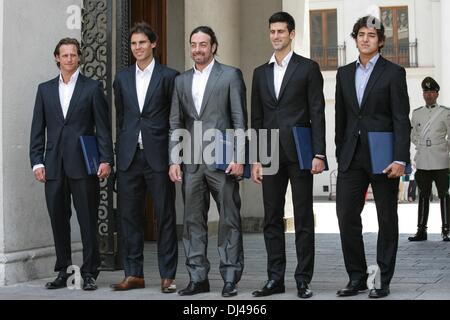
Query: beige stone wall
x: 255, y: 50
x: 30, y: 32
x: 175, y: 35
x: 223, y: 18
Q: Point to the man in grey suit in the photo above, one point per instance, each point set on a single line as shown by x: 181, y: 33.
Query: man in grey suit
x: 211, y: 96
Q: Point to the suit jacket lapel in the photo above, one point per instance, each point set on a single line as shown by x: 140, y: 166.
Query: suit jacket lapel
x: 57, y: 104
x: 76, y: 96
x: 270, y: 80
x: 351, y: 82
x: 376, y: 73
x: 188, y: 79
x: 156, y: 78
x: 212, y: 81
x: 132, y: 87
x: 293, y: 64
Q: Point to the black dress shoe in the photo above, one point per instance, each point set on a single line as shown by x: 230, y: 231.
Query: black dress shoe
x: 303, y: 290
x: 379, y: 293
x: 353, y: 288
x: 194, y: 288
x: 229, y: 290
x: 58, y: 283
x: 89, y: 284
x: 271, y: 287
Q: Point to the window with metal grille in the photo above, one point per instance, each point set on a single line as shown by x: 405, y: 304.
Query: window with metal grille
x: 323, y: 37
x: 397, y: 47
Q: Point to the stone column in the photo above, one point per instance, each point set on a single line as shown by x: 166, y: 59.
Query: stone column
x: 26, y: 242
x: 445, y: 50
x: 224, y: 18
x: 2, y: 225
x: 297, y: 9
x: 256, y: 50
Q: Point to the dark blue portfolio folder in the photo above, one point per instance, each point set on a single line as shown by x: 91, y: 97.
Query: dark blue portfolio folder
x: 303, y: 144
x: 224, y: 153
x: 90, y: 154
x: 381, y: 147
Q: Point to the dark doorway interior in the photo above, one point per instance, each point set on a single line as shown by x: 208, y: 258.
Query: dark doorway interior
x: 154, y: 13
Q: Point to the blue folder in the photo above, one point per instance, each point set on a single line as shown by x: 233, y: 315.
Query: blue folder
x: 381, y: 147
x: 90, y: 154
x: 224, y: 153
x: 303, y: 144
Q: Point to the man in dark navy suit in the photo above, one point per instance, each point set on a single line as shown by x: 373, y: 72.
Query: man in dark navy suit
x: 66, y: 108
x: 143, y: 95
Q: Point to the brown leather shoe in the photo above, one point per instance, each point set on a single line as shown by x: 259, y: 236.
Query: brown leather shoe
x: 168, y: 286
x: 129, y: 283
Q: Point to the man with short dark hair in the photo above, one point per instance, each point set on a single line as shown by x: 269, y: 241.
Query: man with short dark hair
x: 288, y: 92
x: 66, y: 108
x: 371, y: 95
x: 213, y: 95
x: 431, y: 136
x: 143, y: 93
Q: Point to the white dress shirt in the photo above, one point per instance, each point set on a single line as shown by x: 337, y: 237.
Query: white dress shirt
x: 66, y: 91
x: 65, y: 96
x: 199, y: 82
x: 279, y: 71
x: 143, y: 78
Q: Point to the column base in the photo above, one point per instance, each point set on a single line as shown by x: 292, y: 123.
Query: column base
x: 24, y: 266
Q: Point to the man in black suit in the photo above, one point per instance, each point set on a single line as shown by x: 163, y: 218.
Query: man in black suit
x: 371, y: 95
x: 143, y: 94
x: 66, y: 108
x: 287, y: 92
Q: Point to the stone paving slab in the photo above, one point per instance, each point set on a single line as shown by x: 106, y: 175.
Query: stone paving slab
x: 422, y: 273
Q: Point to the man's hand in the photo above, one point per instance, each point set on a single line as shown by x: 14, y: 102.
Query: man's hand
x: 104, y: 171
x: 394, y: 170
x: 235, y: 169
x: 175, y: 173
x: 39, y: 174
x: 317, y: 166
x: 257, y: 173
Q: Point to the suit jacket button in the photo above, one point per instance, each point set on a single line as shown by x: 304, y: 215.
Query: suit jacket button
x: 360, y: 117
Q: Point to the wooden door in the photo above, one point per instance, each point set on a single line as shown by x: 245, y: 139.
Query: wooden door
x: 154, y: 13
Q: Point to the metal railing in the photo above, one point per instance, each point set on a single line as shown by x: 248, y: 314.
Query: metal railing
x: 329, y: 58
x: 402, y: 54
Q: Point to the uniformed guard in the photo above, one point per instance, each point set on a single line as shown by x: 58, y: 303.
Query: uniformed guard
x: 430, y: 134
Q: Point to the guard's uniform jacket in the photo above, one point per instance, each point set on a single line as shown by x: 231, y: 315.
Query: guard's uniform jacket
x: 432, y: 143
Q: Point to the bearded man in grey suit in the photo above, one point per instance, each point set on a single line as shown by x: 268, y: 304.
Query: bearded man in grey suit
x: 211, y: 95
